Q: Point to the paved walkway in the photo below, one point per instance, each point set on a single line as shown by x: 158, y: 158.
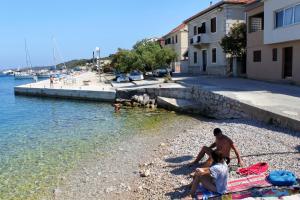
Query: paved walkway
x: 74, y: 82
x: 277, y: 98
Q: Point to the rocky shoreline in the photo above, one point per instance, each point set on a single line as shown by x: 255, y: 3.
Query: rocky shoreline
x: 143, y: 101
x: 154, y: 166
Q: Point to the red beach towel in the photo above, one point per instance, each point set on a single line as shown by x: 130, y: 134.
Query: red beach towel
x: 242, y: 184
x: 256, y: 181
x: 257, y: 169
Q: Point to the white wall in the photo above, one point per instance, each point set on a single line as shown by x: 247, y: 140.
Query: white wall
x: 283, y: 34
x: 226, y: 17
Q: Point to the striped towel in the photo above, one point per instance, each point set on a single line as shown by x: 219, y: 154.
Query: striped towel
x: 238, y: 185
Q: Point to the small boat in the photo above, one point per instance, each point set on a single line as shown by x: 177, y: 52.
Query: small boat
x: 43, y: 75
x: 8, y: 72
x: 24, y: 75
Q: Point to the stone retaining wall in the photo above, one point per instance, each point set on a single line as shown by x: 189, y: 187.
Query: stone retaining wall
x: 206, y: 103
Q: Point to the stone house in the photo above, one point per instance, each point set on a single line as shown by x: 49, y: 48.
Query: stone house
x: 206, y: 29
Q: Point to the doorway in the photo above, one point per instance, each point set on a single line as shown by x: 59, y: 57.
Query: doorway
x: 287, y: 62
x: 204, y: 60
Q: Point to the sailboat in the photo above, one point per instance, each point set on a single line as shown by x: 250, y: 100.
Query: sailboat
x: 58, y: 57
x: 29, y: 74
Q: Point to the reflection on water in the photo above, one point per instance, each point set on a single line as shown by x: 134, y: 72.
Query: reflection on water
x: 40, y: 139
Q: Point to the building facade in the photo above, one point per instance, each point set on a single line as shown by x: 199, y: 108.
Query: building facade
x: 206, y: 30
x: 177, y: 40
x: 273, y: 43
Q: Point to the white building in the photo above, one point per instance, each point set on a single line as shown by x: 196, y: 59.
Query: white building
x: 273, y: 42
x: 206, y: 29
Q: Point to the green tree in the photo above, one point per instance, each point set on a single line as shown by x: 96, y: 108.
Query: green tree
x: 235, y: 42
x: 147, y: 51
x: 125, y: 61
x: 146, y: 55
x: 165, y: 57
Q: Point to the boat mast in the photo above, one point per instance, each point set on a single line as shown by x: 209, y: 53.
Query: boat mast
x: 54, y: 58
x: 56, y: 50
x: 28, y: 59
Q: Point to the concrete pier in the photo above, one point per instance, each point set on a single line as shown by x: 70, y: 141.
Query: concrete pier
x: 84, y: 86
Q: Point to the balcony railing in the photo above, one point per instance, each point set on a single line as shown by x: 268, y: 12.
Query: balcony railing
x: 200, y: 39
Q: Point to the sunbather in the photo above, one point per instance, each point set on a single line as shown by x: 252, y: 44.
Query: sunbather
x: 223, y: 144
x: 214, y: 178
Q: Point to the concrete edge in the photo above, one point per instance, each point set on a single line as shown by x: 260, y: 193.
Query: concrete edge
x: 103, y: 96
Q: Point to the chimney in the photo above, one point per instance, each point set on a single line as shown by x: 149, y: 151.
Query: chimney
x: 211, y: 3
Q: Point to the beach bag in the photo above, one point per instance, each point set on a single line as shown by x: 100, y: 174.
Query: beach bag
x: 256, y: 169
x: 282, y: 178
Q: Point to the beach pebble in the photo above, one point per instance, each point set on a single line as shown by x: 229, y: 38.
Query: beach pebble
x: 110, y: 189
x: 184, y: 182
x: 162, y: 145
x: 56, y: 193
x: 145, y: 173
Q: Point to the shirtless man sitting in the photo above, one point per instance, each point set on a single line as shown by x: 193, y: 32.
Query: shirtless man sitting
x: 222, y: 144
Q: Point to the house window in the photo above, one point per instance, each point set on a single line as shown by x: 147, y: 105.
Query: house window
x: 199, y: 30
x: 289, y: 16
x: 274, y: 53
x: 279, y: 19
x: 173, y: 40
x: 213, y: 25
x: 176, y: 39
x: 202, y: 29
x: 256, y: 56
x: 192, y: 41
x: 256, y: 23
x: 195, y: 57
x: 297, y: 14
x: 195, y: 30
x: 168, y: 41
x: 214, y: 55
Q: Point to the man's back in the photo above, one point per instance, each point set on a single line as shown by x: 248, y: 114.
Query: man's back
x: 224, y: 145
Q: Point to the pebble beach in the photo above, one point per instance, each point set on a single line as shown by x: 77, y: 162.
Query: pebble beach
x: 153, y: 165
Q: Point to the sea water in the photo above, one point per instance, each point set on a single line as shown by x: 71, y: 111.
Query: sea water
x: 41, y: 138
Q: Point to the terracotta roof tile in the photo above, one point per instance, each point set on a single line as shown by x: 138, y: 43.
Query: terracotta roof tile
x: 217, y: 5
x: 178, y: 28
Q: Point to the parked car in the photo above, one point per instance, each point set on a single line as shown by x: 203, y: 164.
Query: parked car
x: 136, y: 76
x: 162, y: 72
x: 121, y: 78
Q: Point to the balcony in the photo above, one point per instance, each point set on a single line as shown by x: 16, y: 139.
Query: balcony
x: 200, y: 40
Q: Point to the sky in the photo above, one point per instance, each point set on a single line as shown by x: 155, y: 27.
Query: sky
x: 79, y: 26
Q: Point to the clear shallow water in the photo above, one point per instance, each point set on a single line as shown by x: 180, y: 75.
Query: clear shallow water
x: 41, y: 139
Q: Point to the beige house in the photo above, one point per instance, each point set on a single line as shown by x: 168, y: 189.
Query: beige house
x: 273, y: 42
x: 206, y: 29
x: 177, y: 40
